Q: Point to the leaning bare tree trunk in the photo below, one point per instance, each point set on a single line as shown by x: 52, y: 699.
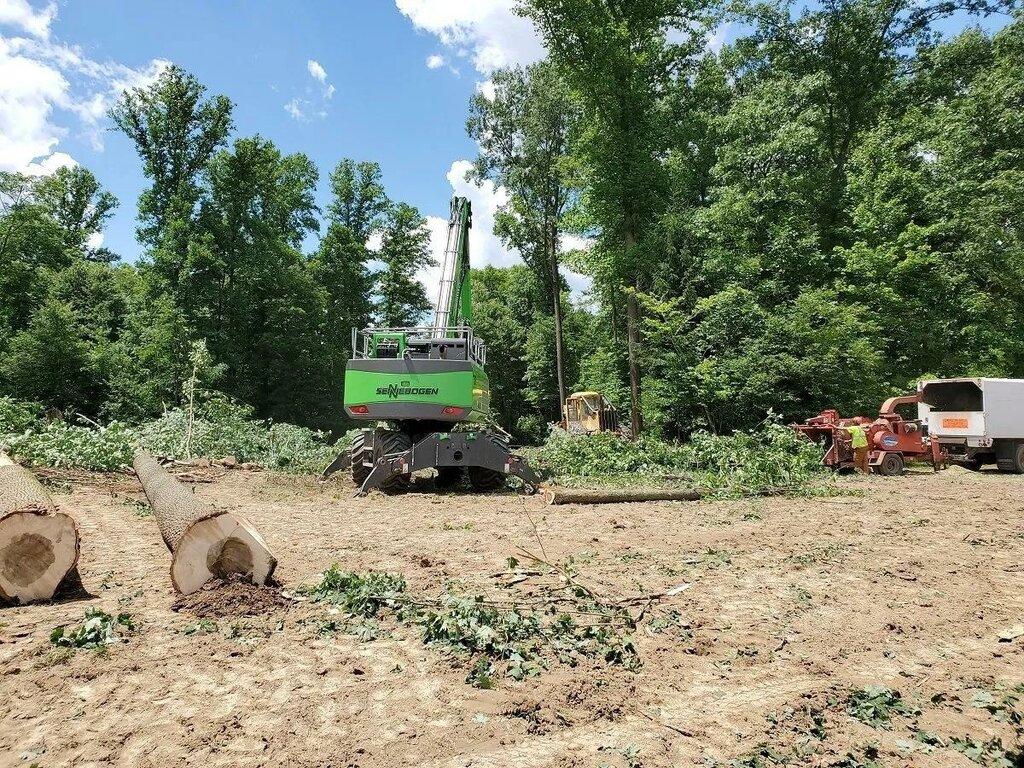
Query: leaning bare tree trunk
x: 39, y: 546
x: 205, y: 543
x: 616, y: 496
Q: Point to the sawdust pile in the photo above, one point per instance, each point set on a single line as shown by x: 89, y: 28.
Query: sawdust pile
x: 233, y: 596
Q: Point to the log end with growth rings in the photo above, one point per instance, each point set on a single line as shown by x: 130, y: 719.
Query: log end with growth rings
x: 205, y: 543
x: 39, y: 546
x: 217, y: 547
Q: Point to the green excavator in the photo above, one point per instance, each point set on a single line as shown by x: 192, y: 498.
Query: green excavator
x: 426, y: 390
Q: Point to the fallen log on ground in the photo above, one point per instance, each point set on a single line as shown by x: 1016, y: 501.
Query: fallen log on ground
x: 618, y: 496
x: 205, y: 543
x: 39, y: 546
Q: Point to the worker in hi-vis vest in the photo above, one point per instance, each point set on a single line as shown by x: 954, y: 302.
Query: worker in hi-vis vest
x: 859, y: 443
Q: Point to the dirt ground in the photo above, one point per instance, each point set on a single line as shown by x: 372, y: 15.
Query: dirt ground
x: 792, y: 604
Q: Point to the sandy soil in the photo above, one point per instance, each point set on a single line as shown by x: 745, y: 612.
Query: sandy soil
x: 793, y: 603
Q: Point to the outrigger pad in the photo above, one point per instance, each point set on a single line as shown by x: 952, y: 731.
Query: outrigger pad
x: 453, y: 449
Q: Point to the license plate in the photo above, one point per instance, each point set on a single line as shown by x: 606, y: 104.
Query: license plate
x: 954, y: 423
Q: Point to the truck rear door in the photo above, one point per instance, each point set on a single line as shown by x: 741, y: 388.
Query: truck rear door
x: 954, y: 409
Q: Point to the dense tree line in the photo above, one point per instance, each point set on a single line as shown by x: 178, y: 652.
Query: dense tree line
x: 222, y: 225
x: 816, y: 215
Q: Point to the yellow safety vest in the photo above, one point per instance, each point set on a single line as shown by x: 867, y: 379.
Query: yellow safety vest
x: 860, y: 437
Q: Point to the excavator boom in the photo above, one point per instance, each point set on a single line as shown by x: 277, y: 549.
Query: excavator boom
x: 454, y: 305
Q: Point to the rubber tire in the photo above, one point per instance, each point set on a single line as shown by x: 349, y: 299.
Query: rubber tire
x: 389, y: 442
x: 359, y: 471
x: 448, y: 478
x: 483, y: 480
x: 1014, y: 464
x: 892, y: 465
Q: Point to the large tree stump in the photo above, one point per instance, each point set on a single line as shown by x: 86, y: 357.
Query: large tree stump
x: 39, y: 546
x: 205, y: 543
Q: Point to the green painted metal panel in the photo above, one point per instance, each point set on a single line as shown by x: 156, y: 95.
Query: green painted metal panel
x: 465, y: 389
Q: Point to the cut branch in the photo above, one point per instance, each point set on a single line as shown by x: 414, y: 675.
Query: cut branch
x: 617, y: 496
x: 205, y: 543
x: 39, y: 546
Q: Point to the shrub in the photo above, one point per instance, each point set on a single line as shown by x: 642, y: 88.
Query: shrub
x: 59, y: 444
x: 220, y: 428
x: 17, y: 416
x: 771, y: 457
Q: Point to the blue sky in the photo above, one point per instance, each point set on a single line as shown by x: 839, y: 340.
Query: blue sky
x: 384, y: 80
x: 376, y: 80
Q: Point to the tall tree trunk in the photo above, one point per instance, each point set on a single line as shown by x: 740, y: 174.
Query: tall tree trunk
x: 556, y: 296
x: 632, y: 346
x: 636, y: 418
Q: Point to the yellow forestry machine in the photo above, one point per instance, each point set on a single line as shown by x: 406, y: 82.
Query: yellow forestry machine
x: 585, y: 413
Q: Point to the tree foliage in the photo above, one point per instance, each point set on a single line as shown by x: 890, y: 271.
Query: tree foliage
x: 526, y: 131
x: 826, y: 209
x: 404, y: 252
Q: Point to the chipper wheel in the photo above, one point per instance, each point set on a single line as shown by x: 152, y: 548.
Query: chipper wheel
x: 361, y: 455
x: 892, y: 465
x: 483, y: 480
x: 389, y: 442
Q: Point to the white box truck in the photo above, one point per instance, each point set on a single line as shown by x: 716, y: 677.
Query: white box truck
x: 977, y: 421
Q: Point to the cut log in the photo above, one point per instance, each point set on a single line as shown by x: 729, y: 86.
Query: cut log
x: 39, y: 546
x: 617, y: 496
x: 205, y: 543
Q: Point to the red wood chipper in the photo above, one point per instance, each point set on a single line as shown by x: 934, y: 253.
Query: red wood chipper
x: 892, y: 440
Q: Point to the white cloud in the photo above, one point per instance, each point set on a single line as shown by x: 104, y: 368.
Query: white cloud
x: 304, y: 108
x: 487, y: 89
x: 579, y: 283
x: 49, y: 89
x: 18, y: 13
x: 717, y: 37
x: 29, y: 91
x: 49, y: 164
x: 487, y: 31
x: 375, y: 241
x: 294, y: 109
x: 436, y: 61
x: 317, y: 70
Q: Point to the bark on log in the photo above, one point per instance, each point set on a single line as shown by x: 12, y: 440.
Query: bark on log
x: 617, y: 496
x: 204, y: 542
x: 39, y: 546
